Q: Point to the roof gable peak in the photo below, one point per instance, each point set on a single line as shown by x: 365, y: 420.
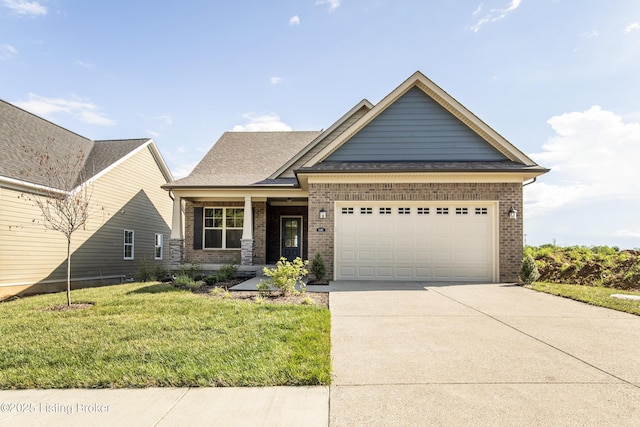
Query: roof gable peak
x: 433, y: 91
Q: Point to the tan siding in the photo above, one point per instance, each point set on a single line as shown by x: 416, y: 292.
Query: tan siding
x: 127, y: 197
x: 28, y: 252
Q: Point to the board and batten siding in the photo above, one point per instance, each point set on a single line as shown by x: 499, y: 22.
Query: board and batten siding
x: 415, y: 128
x: 127, y: 197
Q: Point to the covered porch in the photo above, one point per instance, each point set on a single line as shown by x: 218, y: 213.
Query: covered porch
x: 249, y: 230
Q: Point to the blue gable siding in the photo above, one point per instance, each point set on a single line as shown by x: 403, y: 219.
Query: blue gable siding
x: 415, y: 128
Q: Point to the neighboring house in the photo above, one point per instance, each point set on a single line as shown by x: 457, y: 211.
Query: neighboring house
x: 413, y: 188
x: 130, y: 213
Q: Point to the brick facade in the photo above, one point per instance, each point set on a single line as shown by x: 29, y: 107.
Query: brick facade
x: 507, y: 195
x: 225, y: 256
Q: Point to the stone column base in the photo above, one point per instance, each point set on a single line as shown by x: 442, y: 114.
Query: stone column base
x: 246, y: 255
x: 176, y: 251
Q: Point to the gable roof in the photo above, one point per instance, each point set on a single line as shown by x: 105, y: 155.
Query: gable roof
x: 351, y: 116
x: 420, y: 81
x: 22, y: 134
x: 245, y: 159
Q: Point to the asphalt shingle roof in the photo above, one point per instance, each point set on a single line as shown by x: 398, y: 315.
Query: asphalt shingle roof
x: 246, y: 159
x: 22, y: 134
x: 498, y: 166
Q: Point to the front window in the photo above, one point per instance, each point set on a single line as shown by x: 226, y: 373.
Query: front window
x: 223, y: 227
x: 128, y: 244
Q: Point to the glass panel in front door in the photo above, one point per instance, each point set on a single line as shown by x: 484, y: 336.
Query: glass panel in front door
x: 291, y: 238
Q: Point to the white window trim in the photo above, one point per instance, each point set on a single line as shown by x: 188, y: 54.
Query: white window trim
x: 125, y: 244
x: 156, y: 246
x: 224, y: 227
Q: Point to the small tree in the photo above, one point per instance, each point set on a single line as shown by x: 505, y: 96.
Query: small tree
x: 529, y: 270
x: 65, y: 195
x: 318, y: 268
x: 286, y: 275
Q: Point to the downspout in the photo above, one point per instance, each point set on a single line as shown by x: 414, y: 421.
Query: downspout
x: 527, y: 183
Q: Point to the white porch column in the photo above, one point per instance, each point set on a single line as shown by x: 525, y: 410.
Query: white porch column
x: 176, y: 243
x: 176, y: 220
x: 246, y: 242
x: 247, y: 229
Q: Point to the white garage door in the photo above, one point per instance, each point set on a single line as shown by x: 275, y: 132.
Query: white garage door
x: 415, y: 241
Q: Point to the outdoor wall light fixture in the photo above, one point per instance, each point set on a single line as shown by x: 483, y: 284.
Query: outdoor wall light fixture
x: 323, y: 213
x: 513, y: 214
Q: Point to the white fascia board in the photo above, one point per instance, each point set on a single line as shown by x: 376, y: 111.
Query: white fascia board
x: 417, y: 177
x: 19, y: 185
x: 237, y: 193
x: 323, y: 135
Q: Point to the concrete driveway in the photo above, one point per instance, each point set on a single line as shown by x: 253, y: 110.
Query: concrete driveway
x: 479, y: 354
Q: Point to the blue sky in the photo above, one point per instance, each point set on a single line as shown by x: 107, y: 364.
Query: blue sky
x: 560, y: 79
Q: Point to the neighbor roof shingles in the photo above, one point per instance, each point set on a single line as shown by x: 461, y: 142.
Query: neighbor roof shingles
x: 246, y: 158
x: 24, y: 136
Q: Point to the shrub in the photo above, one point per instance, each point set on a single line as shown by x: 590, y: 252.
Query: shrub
x: 308, y: 301
x: 217, y: 291
x: 184, y: 280
x: 211, y: 280
x: 529, y: 270
x: 317, y: 267
x: 149, y: 271
x: 192, y: 270
x: 227, y: 272
x: 264, y: 290
x: 286, y: 275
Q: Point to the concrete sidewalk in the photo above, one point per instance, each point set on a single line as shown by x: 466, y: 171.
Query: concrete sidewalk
x: 480, y: 355
x: 246, y: 406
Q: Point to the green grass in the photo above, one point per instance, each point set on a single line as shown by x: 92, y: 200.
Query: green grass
x: 591, y: 295
x: 153, y: 335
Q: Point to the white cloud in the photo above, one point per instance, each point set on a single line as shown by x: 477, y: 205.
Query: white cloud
x: 593, y: 157
x: 262, y: 122
x: 7, y: 52
x: 333, y: 4
x: 628, y: 233
x: 25, y: 7
x: 165, y: 118
x: 183, y: 169
x: 153, y: 133
x: 632, y: 27
x: 276, y: 80
x: 294, y: 20
x: 494, y: 14
x: 590, y: 34
x: 79, y: 108
x: 84, y: 64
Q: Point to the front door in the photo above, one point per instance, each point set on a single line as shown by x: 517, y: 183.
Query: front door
x: 291, y: 237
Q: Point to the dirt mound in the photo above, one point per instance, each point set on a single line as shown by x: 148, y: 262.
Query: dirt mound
x: 598, y: 266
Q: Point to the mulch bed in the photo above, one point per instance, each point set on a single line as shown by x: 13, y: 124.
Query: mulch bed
x: 320, y: 298
x: 79, y: 306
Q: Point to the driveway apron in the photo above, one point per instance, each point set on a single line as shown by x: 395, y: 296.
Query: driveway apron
x: 479, y: 354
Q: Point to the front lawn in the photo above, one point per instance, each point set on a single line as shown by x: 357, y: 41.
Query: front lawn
x: 592, y: 295
x: 154, y: 335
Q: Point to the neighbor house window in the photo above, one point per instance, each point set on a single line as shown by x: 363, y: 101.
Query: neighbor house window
x: 158, y: 249
x: 128, y: 244
x: 223, y: 227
